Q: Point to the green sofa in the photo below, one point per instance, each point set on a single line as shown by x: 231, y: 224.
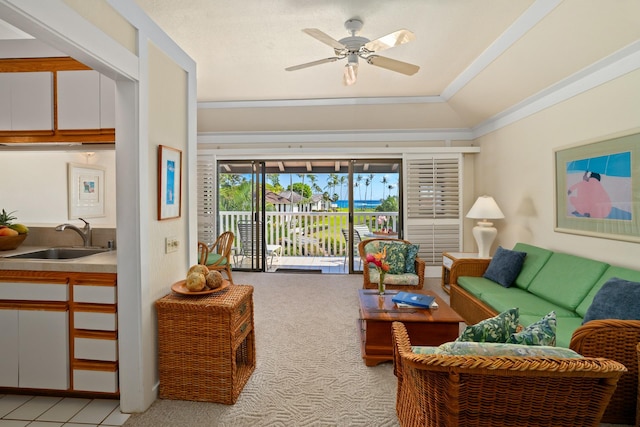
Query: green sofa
x: 566, y: 284
x: 548, y: 281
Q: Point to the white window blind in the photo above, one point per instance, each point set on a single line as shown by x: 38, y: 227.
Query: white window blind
x: 433, y: 206
x: 206, y: 199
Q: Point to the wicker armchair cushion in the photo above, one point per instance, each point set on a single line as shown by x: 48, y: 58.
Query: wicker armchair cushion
x: 494, y: 329
x: 612, y: 301
x: 395, y: 279
x: 503, y: 349
x: 505, y: 266
x: 540, y: 333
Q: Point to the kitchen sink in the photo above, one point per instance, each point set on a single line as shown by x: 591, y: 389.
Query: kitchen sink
x: 61, y: 253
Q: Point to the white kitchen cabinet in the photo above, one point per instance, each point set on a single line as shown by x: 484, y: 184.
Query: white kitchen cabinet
x: 44, y: 349
x: 86, y: 100
x: 9, y: 348
x: 34, y: 349
x: 26, y: 101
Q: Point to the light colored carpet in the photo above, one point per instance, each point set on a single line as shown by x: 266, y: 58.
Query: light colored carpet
x: 309, y: 371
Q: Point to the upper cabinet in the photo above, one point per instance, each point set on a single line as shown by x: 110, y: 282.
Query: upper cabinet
x: 46, y: 100
x: 86, y: 100
x: 26, y: 101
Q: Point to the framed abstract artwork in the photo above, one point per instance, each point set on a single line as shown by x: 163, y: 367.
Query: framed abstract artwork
x: 86, y: 191
x: 169, y: 182
x: 598, y: 189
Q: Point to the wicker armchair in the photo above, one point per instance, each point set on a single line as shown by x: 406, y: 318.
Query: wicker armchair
x: 444, y: 391
x: 617, y: 340
x: 367, y: 284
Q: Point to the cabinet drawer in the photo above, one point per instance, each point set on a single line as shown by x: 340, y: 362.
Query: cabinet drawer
x: 95, y: 380
x: 94, y: 294
x: 242, y: 312
x: 34, y: 291
x: 95, y: 349
x: 95, y: 321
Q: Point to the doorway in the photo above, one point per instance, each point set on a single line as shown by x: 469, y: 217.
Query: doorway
x: 307, y: 215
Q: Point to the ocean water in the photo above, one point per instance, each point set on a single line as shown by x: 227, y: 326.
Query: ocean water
x: 371, y: 204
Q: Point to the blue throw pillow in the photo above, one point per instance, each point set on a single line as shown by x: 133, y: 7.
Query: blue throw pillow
x: 616, y: 299
x: 505, y: 266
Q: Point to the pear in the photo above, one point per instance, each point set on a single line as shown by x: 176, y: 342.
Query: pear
x: 20, y: 228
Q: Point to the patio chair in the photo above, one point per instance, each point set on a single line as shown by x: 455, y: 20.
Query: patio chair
x: 218, y: 256
x: 249, y: 234
x: 439, y: 390
x: 356, y: 240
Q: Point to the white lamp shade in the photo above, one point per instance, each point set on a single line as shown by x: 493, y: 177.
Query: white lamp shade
x: 485, y: 208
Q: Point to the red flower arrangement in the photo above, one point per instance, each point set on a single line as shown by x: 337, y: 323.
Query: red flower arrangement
x: 379, y: 261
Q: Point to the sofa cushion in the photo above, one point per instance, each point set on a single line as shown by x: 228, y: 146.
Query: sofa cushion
x: 542, y: 332
x: 566, y: 279
x: 612, y: 271
x: 490, y: 349
x: 476, y: 285
x: 617, y: 299
x: 536, y: 258
x: 565, y: 327
x: 410, y: 262
x: 505, y: 266
x: 494, y: 329
x: 501, y: 299
x: 394, y: 279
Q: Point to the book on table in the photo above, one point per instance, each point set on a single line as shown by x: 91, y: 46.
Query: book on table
x: 414, y: 300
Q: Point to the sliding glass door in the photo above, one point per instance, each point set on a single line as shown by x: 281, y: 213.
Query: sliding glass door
x: 241, y: 203
x: 375, y: 203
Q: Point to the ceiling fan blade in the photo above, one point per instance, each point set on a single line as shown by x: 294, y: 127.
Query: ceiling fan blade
x: 324, y: 38
x: 390, y: 40
x: 393, y: 65
x: 311, y: 64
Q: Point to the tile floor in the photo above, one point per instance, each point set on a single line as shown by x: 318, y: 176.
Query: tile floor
x: 46, y: 411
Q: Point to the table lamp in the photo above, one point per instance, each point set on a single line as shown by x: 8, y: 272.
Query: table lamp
x: 484, y: 232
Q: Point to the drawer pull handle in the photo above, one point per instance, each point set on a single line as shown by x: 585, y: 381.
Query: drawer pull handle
x: 243, y: 328
x: 243, y: 308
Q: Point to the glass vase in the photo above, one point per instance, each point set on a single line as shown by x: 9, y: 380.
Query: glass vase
x: 381, y: 283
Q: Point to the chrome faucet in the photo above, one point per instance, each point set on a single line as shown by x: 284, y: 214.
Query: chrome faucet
x: 85, y: 233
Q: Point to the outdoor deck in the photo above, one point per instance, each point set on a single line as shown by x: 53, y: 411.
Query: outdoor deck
x: 326, y: 264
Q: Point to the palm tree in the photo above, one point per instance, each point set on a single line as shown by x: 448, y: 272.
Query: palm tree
x: 367, y: 183
x: 343, y: 182
x: 371, y: 176
x: 384, y: 182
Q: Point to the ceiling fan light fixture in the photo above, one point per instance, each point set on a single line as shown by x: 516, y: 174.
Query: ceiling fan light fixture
x: 350, y: 74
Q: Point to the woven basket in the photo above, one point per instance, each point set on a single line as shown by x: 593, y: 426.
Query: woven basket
x: 8, y: 243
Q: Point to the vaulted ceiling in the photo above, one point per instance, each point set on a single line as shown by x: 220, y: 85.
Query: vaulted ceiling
x: 477, y: 59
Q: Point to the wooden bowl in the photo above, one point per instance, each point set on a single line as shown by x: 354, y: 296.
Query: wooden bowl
x: 8, y: 243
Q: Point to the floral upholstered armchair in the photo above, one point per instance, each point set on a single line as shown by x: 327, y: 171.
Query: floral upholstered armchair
x: 406, y: 268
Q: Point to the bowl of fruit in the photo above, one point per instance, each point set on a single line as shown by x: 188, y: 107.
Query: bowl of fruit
x: 12, y: 234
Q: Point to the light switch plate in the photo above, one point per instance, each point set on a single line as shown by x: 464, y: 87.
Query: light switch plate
x: 171, y: 244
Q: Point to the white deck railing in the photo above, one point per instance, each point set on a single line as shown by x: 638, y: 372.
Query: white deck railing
x: 308, y: 233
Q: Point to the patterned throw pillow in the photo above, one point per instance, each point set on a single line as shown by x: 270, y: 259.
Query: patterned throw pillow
x: 494, y: 329
x: 396, y: 256
x: 505, y: 266
x: 499, y: 349
x: 410, y: 262
x: 542, y: 332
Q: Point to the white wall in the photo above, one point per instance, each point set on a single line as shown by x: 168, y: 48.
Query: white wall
x: 35, y: 185
x: 516, y: 166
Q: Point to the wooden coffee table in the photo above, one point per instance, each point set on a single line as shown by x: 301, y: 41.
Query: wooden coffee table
x: 425, y: 327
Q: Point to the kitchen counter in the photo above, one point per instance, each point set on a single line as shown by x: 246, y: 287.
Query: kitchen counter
x: 105, y: 262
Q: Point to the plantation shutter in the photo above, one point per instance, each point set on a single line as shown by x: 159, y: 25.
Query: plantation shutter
x: 206, y: 199
x: 433, y: 190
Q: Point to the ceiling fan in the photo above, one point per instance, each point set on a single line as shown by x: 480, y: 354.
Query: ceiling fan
x: 354, y: 47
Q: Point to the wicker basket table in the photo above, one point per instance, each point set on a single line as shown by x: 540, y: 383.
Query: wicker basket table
x: 206, y: 345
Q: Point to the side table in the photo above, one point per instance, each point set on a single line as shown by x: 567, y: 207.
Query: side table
x: 206, y: 345
x: 456, y: 264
